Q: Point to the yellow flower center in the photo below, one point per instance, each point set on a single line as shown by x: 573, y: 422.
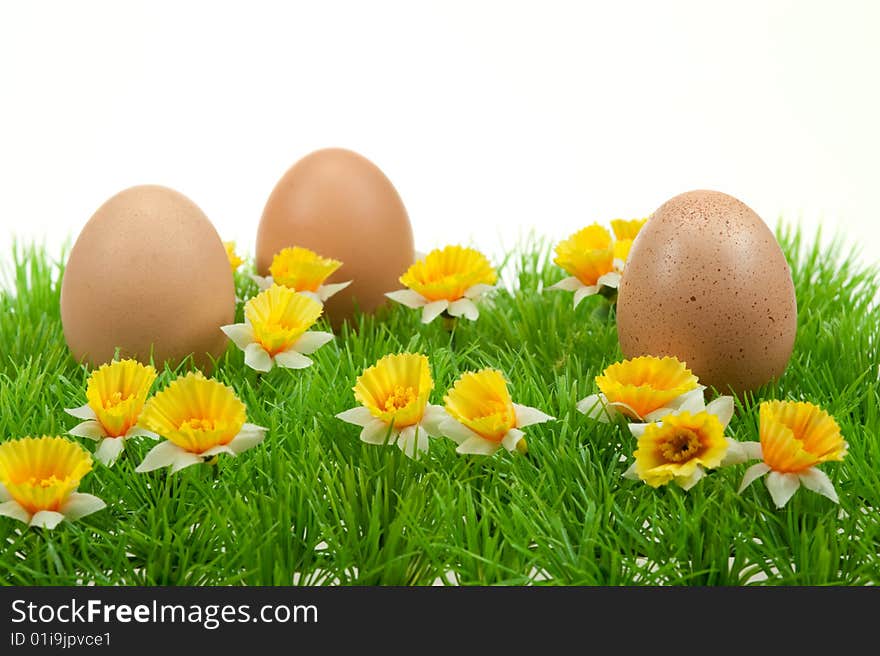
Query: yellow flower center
x: 680, y: 445
x: 796, y: 436
x: 279, y: 316
x: 195, y: 413
x: 396, y: 388
x: 481, y: 401
x: 677, y: 446
x: 587, y: 254
x: 40, y: 473
x: 645, y: 383
x: 116, y: 392
x: 301, y: 269
x: 448, y: 273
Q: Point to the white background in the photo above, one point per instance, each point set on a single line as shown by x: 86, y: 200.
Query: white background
x: 491, y: 118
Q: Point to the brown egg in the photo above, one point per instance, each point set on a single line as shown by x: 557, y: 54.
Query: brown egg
x: 340, y: 205
x: 707, y: 282
x: 147, y: 274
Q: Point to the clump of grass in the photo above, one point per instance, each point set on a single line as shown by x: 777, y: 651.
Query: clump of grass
x: 313, y: 505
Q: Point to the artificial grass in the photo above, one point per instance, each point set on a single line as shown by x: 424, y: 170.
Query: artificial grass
x: 314, y: 505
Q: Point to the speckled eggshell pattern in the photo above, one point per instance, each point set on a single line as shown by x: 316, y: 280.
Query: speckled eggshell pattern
x: 148, y: 275
x: 707, y: 282
x: 342, y: 206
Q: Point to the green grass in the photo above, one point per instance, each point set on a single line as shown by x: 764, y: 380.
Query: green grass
x: 314, y: 505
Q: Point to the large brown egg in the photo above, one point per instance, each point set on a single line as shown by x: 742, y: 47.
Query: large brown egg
x: 340, y: 205
x: 707, y: 282
x: 148, y: 274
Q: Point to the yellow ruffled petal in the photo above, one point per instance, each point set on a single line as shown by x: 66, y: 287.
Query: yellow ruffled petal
x: 627, y: 229
x: 301, y: 269
x: 396, y: 388
x: 646, y: 383
x: 279, y: 316
x: 234, y: 260
x: 587, y: 254
x: 481, y: 401
x: 797, y: 435
x: 40, y: 472
x: 116, y: 392
x: 195, y: 413
x: 448, y: 273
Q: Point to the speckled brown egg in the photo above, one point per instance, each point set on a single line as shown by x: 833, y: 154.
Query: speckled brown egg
x: 707, y: 282
x: 148, y: 275
x: 340, y: 205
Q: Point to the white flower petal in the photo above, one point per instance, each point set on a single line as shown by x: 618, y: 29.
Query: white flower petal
x: 138, y: 431
x: 255, y: 357
x: 109, y: 449
x: 630, y: 473
x: 456, y: 431
x: 752, y: 450
x: 464, y: 307
x: 692, y: 401
x: 413, y: 442
x: 263, y: 282
x: 687, y: 482
x: 638, y: 429
x: 378, y: 432
x: 432, y: 419
x: 583, y: 292
x: 4, y: 494
x: 594, y: 406
x: 512, y: 438
x: 47, y: 519
x: 610, y: 279
x: 655, y: 416
x: 476, y: 291
x: 15, y: 510
x: 161, y: 455
x: 526, y: 416
x: 184, y: 460
x: 326, y: 291
x: 359, y: 416
x: 408, y: 297
x: 570, y: 284
x: 216, y: 450
x: 816, y: 480
x: 241, y: 334
x: 752, y: 474
x: 90, y: 429
x: 433, y: 310
x: 291, y: 359
x: 477, y: 446
x: 735, y: 455
x: 782, y: 486
x: 722, y: 407
x: 82, y: 412
x: 311, y: 341
x: 79, y: 505
x: 248, y: 437
x: 626, y: 410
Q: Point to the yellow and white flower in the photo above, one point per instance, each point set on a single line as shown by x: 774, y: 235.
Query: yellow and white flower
x: 683, y: 444
x: 303, y: 271
x: 394, y: 404
x: 38, y: 481
x: 449, y: 280
x: 795, y: 438
x: 643, y: 389
x: 276, y: 329
x: 116, y: 393
x: 234, y: 260
x: 199, y: 418
x: 481, y: 416
x: 588, y: 255
x: 625, y: 232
